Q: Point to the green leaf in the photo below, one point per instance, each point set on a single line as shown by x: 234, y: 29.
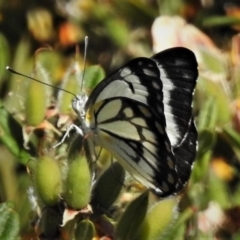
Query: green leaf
x: 165, y: 212
x: 171, y: 7
x: 213, y: 62
x: 48, y: 182
x: 130, y: 222
x: 218, y: 104
x: 208, y: 115
x: 85, y: 230
x: 108, y: 186
x: 49, y: 222
x: 179, y: 228
x: 11, y: 135
x: 217, y: 191
x: 233, y: 135
x: 207, y: 140
x: 71, y: 83
x: 17, y: 84
x: 51, y: 62
x: 215, y: 21
x: 118, y: 30
x: 4, y: 57
x: 9, y: 222
x: 78, y: 183
x: 201, y: 166
x: 93, y: 76
x: 37, y: 97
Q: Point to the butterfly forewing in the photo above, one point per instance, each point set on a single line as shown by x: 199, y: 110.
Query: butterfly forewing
x: 138, y: 79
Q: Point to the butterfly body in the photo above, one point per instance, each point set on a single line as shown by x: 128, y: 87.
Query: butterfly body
x: 142, y: 115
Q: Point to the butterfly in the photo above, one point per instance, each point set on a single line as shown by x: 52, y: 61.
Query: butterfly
x: 142, y: 115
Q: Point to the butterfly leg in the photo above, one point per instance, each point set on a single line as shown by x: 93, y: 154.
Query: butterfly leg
x: 71, y: 127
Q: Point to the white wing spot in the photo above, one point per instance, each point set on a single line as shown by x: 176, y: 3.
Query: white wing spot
x: 116, y: 88
x: 110, y: 110
x: 164, y: 187
x: 170, y: 178
x: 150, y: 158
x: 138, y: 87
x: 158, y: 191
x: 145, y: 111
x: 159, y: 109
x: 121, y: 128
x: 159, y: 128
x: 163, y: 75
x: 156, y: 85
x: 168, y: 88
x: 159, y: 97
x: 125, y: 72
x: 139, y: 121
x: 150, y: 136
x: 132, y: 78
x: 139, y: 98
x: 128, y: 112
x: 150, y: 72
x: 145, y: 167
x: 167, y: 146
x: 170, y: 163
x: 150, y: 147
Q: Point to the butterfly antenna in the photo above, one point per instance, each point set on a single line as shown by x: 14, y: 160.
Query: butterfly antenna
x: 84, y: 60
x: 36, y: 80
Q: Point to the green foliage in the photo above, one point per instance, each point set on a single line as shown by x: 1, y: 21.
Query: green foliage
x: 7, y: 126
x: 233, y: 136
x: 9, y: 222
x: 5, y: 56
x: 214, y: 21
x: 165, y: 212
x: 47, y: 179
x: 84, y: 230
x: 93, y: 75
x: 129, y: 225
x: 214, y: 92
x: 108, y: 186
x: 55, y: 190
x: 37, y: 98
x: 78, y: 183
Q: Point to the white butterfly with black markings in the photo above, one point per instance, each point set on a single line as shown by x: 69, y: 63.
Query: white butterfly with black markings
x: 142, y: 114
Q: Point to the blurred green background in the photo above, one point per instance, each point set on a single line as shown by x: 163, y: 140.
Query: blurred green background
x: 39, y: 39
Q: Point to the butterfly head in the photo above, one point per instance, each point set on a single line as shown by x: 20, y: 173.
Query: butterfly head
x: 78, y: 105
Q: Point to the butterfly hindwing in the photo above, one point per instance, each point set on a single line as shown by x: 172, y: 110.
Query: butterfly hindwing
x: 178, y: 73
x: 185, y: 155
x: 135, y: 136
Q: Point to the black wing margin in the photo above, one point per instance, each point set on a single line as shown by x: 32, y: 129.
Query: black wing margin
x: 178, y: 72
